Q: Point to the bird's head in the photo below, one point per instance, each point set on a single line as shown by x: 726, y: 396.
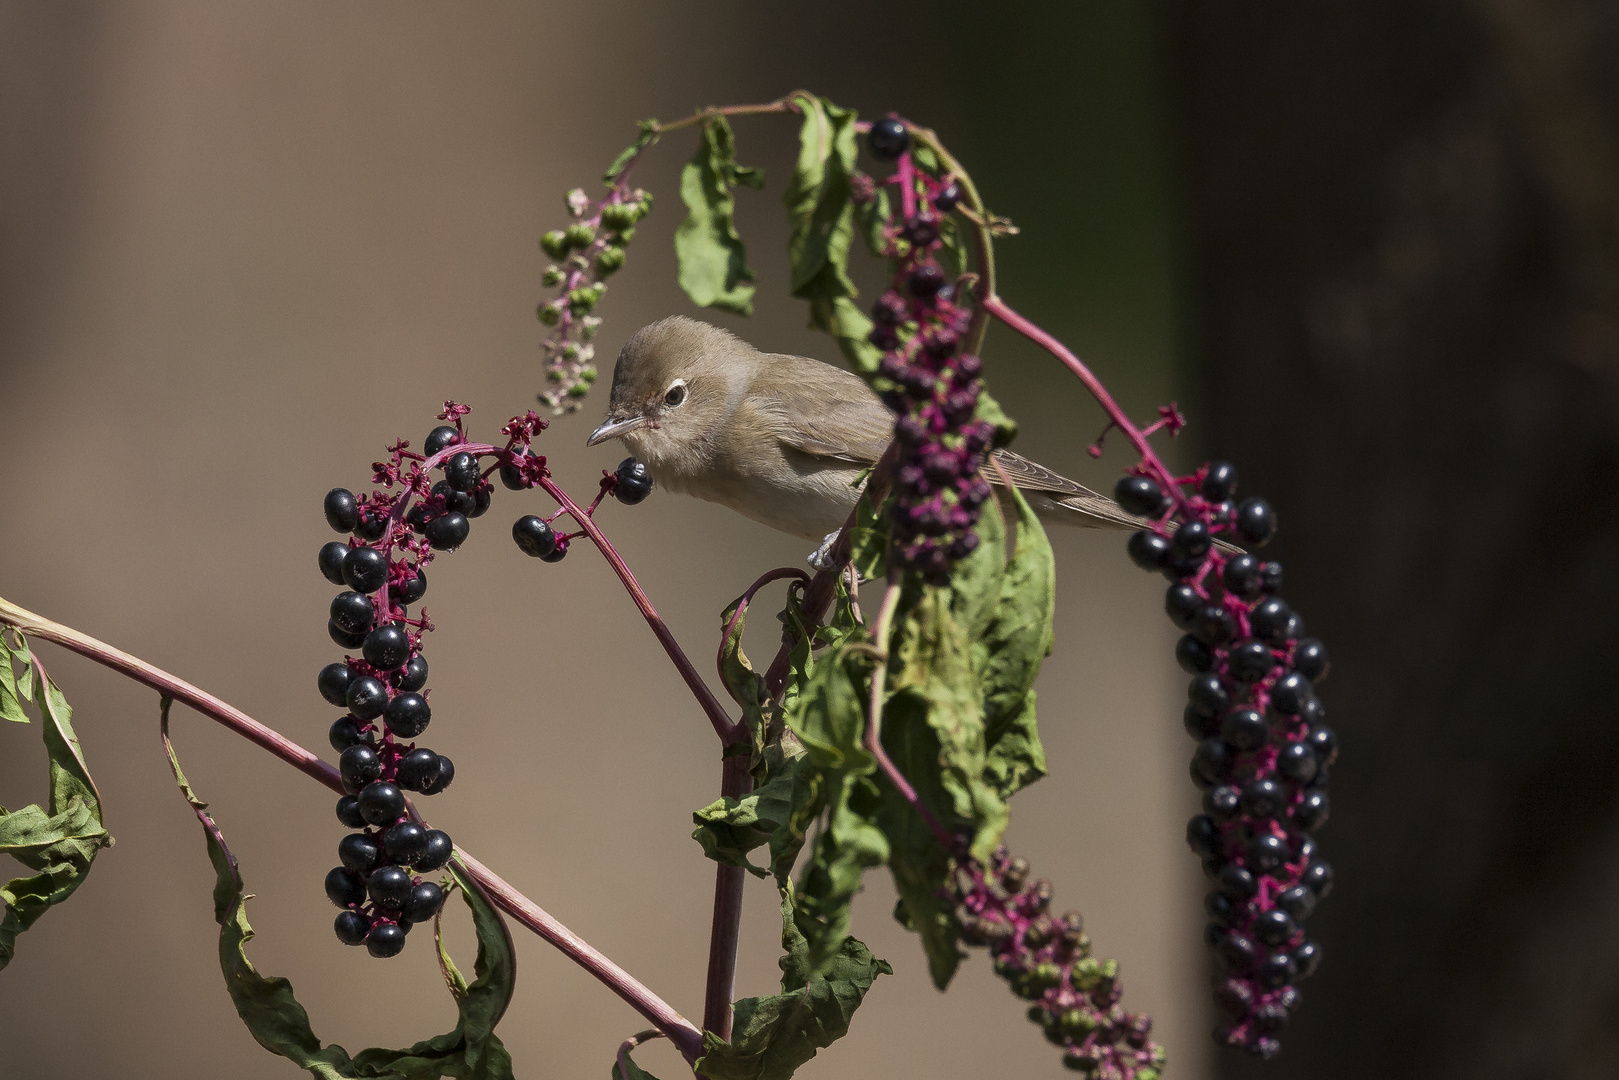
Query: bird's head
x: 675, y: 383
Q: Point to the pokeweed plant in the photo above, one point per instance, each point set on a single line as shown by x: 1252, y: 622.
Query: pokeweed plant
x: 894, y: 741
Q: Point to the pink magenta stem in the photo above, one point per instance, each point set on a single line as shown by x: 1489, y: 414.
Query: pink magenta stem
x: 1165, y: 479
x: 726, y: 930
x: 656, y: 1011
x: 728, y: 730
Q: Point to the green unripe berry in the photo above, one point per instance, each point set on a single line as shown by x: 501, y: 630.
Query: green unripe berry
x: 550, y: 313
x: 1085, y: 974
x: 578, y: 390
x: 1078, y: 1022
x: 554, y: 243
x: 625, y: 236
x: 582, y: 299
x: 587, y: 375
x: 1046, y: 975
x: 588, y: 326
x: 609, y: 260
x: 580, y: 235
x: 570, y: 350
x: 618, y: 215
x: 553, y: 277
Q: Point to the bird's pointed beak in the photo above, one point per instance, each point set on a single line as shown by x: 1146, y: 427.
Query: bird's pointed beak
x: 612, y: 429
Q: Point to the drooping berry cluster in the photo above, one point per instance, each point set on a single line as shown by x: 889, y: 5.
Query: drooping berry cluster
x: 384, y: 688
x: 931, y: 385
x: 1047, y: 960
x: 587, y: 252
x: 1263, y: 747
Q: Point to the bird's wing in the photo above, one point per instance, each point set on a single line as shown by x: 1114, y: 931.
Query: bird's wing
x: 1067, y: 502
x: 821, y: 410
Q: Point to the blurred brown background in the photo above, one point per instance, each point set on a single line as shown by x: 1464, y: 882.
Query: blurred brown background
x: 1372, y: 246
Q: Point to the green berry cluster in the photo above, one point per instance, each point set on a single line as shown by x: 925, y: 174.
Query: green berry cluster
x: 586, y: 253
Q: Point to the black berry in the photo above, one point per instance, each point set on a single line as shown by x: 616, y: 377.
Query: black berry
x: 342, y: 511
x: 1324, y: 743
x: 1245, y: 729
x: 634, y: 482
x: 1220, y: 482
x: 1238, y: 950
x: 1298, y: 902
x: 1198, y: 724
x: 1192, y: 655
x: 1211, y: 762
x: 512, y: 475
x: 425, y: 900
x: 381, y: 803
x: 1256, y: 521
x: 344, y: 887
x: 1269, y: 620
x: 1181, y: 604
x: 351, y: 927
x: 448, y: 531
x: 1190, y: 543
x: 352, y: 611
x: 480, y: 500
x: 533, y: 536
x: 888, y: 138
x: 459, y: 501
x: 439, y: 439
x: 348, y: 812
x: 415, y: 588
x: 331, y: 561
x: 1241, y: 576
x: 405, y: 842
x: 1236, y: 882
x: 1312, y: 812
x: 925, y: 281
x: 558, y: 554
x: 1139, y: 495
x: 1265, y: 853
x: 1310, y: 659
x: 1263, y: 799
x: 387, y: 647
x: 1214, y: 624
x: 418, y: 769
x: 1270, y: 576
x: 1219, y: 907
x: 1306, y: 958
x: 358, y: 766
x: 1274, y: 927
x: 413, y: 676
x: 439, y: 850
x: 1289, y: 693
x: 948, y: 197
x: 1208, y: 694
x: 1318, y: 876
x: 359, y: 853
x: 1296, y: 761
x: 333, y: 684
x: 344, y: 638
x: 446, y: 773
x: 1202, y: 836
x: 1249, y: 661
x: 385, y: 939
x: 1222, y: 802
x: 345, y: 732
x: 1147, y: 550
x: 407, y: 715
x: 373, y: 523
x: 367, y: 698
x: 365, y: 569
x: 462, y: 472
x: 1275, y: 970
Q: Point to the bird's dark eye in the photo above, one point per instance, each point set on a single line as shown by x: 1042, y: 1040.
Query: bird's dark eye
x: 675, y: 396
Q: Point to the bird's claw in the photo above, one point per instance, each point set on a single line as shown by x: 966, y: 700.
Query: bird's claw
x: 821, y: 557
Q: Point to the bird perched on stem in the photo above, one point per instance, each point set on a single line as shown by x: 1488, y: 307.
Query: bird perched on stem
x: 780, y: 439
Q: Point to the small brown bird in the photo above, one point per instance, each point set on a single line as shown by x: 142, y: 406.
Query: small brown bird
x: 780, y: 439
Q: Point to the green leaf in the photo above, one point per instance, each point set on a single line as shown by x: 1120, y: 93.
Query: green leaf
x: 60, y: 843
x: 729, y: 828
x: 1015, y: 643
x: 630, y: 1070
x: 648, y: 136
x: 933, y: 656
x: 472, y: 1051
x: 872, y: 217
x: 10, y: 702
x: 713, y: 265
x: 975, y: 582
x: 772, y: 1036
x: 869, y: 539
x: 821, y: 217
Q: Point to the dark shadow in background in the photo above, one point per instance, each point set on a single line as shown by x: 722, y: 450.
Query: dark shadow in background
x: 1405, y: 219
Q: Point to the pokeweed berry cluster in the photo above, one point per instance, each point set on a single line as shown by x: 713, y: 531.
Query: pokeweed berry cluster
x: 588, y: 251
x: 1263, y: 749
x: 382, y: 568
x: 931, y: 385
x: 1047, y: 960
